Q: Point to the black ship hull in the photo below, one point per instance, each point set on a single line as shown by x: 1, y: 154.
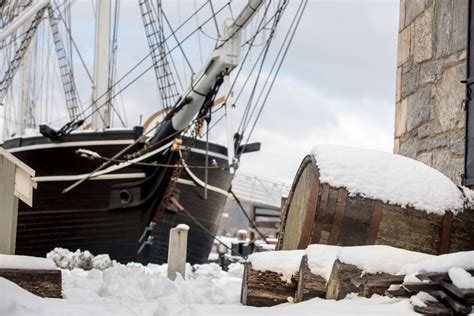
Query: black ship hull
x: 110, y: 213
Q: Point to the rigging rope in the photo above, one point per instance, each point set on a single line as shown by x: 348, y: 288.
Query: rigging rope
x: 298, y: 20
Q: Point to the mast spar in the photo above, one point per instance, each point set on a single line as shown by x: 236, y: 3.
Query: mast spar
x: 100, y: 97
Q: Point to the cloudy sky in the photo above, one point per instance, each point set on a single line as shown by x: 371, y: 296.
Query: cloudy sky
x: 337, y: 85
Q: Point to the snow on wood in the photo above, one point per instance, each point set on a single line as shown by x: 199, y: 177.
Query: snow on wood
x: 391, y: 178
x: 286, y: 263
x: 441, y: 263
x: 421, y: 298
x: 461, y: 278
x: 25, y: 262
x: 369, y: 259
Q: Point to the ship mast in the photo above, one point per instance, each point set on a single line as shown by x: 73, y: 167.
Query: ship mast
x: 100, y: 96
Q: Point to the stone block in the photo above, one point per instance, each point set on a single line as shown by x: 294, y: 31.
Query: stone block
x: 401, y: 118
x: 432, y: 142
x: 422, y: 36
x: 413, y: 8
x: 401, y: 16
x: 430, y: 71
x: 456, y: 143
x: 398, y: 84
x: 426, y: 158
x: 448, y: 95
x: 404, y: 38
x: 409, y: 82
x: 396, y: 146
x: 448, y: 165
x: 460, y: 20
x: 430, y: 128
x: 442, y: 27
x: 418, y: 107
x: 408, y: 145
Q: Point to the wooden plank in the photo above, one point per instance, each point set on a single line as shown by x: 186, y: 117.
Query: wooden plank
x: 356, y: 220
x: 321, y: 213
x: 374, y: 222
x: 310, y: 209
x: 338, y: 217
x: 309, y: 285
x: 409, y: 229
x: 433, y: 308
x: 465, y: 294
x: 44, y: 283
x: 8, y: 207
x: 459, y: 307
x: 376, y: 283
x: 436, y: 276
x: 445, y: 232
x: 265, y: 288
x: 421, y: 287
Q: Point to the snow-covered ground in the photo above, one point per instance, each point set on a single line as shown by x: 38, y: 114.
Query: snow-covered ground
x: 111, y: 288
x: 134, y: 289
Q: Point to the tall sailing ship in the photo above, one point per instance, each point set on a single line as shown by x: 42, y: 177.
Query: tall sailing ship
x: 137, y: 182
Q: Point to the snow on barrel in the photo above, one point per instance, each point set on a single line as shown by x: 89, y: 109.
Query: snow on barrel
x: 350, y: 197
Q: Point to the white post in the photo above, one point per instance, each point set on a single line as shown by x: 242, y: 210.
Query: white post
x: 177, y: 248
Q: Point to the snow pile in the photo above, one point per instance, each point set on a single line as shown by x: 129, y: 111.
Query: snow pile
x: 65, y: 259
x: 442, y: 263
x: 287, y: 263
x: 14, y: 299
x: 25, y: 262
x: 134, y: 283
x: 461, y: 278
x: 370, y: 259
x: 387, y: 177
x: 421, y: 298
x: 17, y: 301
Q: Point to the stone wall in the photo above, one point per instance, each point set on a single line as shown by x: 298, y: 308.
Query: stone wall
x: 431, y: 62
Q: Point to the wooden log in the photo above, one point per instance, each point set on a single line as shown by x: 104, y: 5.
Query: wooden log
x: 464, y: 294
x: 460, y: 307
x: 340, y: 281
x: 434, y: 309
x: 317, y: 213
x: 309, y: 285
x: 44, y: 283
x: 377, y: 283
x: 266, y: 288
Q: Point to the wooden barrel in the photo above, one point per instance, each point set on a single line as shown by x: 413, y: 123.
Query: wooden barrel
x: 317, y: 213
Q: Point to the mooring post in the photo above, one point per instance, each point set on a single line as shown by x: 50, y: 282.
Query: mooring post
x: 177, y: 249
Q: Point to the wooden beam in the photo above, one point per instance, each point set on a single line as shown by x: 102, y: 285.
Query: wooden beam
x: 44, y: 283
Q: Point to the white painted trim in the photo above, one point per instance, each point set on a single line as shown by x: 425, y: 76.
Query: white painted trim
x: 209, y: 187
x: 17, y: 162
x: 80, y: 176
x: 210, y: 153
x: 73, y: 144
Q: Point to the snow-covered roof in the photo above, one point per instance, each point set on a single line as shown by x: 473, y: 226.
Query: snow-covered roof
x: 391, y: 178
